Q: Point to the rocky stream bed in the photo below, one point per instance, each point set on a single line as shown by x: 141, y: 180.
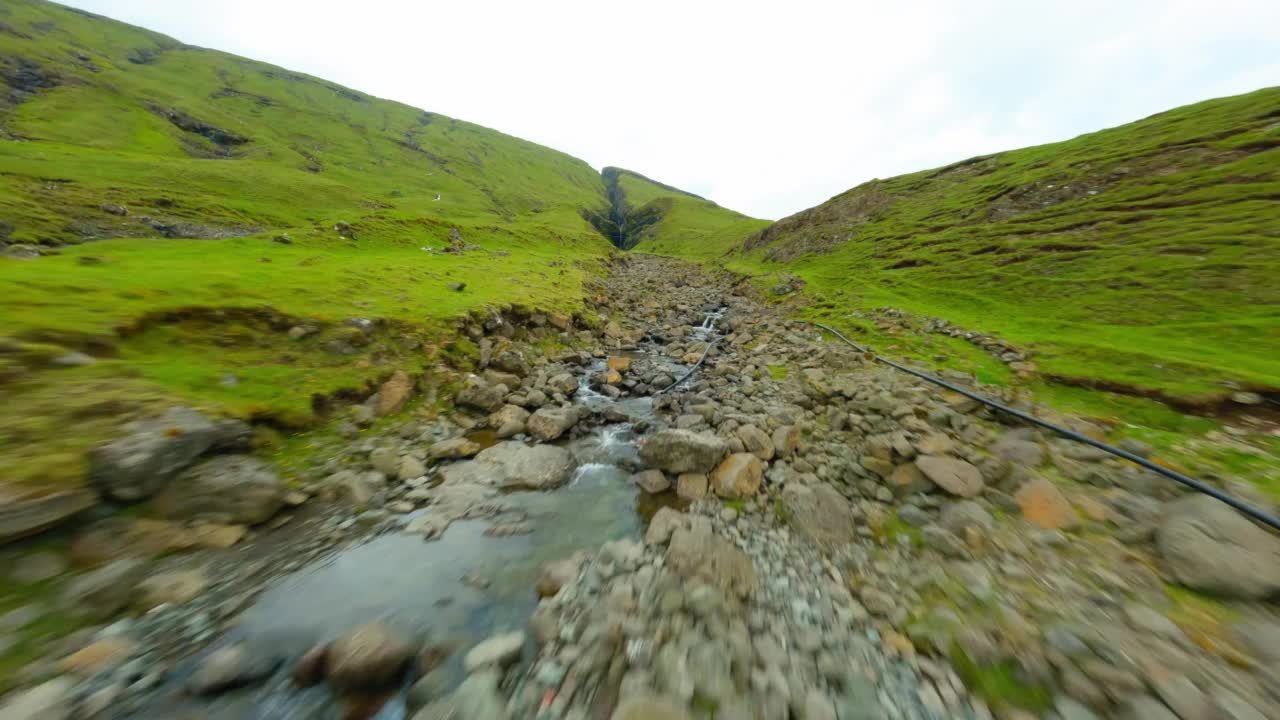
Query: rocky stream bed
x: 793, y: 532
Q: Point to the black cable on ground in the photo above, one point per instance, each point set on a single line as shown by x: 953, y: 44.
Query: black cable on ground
x: 1197, y: 485
x: 693, y: 369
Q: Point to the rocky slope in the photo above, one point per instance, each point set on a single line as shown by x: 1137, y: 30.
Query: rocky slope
x: 836, y: 540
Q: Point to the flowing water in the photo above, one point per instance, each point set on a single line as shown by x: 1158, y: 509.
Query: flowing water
x: 417, y: 586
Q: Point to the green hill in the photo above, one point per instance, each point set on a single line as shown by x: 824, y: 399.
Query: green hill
x: 1141, y: 258
x: 171, y: 212
x: 652, y: 217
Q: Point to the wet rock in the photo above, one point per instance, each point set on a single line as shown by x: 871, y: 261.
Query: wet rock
x: 104, y: 592
x: 370, y: 657
x: 498, y: 651
x: 231, y: 667
x: 394, y: 394
x: 1044, y: 504
x: 684, y: 451
x: 139, y: 464
x: 952, y: 475
x: 1208, y: 546
x: 453, y: 449
x: 478, y: 394
x: 651, y: 481
x: 510, y: 420
x: 548, y: 424
x: 556, y: 575
x: 227, y: 488
x: 738, y: 476
x: 513, y: 465
x: 664, y: 523
x: 819, y: 513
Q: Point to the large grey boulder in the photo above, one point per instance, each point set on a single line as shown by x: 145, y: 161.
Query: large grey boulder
x: 481, y: 395
x: 513, y: 465
x: 1208, y: 546
x: 154, y: 451
x: 819, y: 513
x: 684, y: 451
x: 951, y: 474
x: 549, y: 423
x: 51, y: 700
x: 230, y: 667
x: 227, y: 488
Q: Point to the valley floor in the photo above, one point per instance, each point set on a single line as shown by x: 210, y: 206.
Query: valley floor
x: 792, y: 532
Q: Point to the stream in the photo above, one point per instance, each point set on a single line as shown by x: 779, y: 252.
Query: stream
x: 427, y: 589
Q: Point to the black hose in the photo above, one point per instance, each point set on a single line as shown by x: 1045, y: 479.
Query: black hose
x: 1197, y: 485
x: 693, y: 369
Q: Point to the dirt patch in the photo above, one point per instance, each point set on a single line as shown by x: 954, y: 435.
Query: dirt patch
x: 808, y: 230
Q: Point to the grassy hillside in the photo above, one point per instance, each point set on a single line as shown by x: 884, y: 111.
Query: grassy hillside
x: 1142, y: 258
x: 140, y: 176
x: 652, y: 217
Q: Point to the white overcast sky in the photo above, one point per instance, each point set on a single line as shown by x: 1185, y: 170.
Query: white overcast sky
x: 764, y: 107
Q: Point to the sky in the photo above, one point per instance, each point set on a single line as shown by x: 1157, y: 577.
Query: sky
x: 765, y: 107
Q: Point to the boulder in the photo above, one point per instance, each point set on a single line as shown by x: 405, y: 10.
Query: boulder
x: 370, y: 657
x: 513, y: 465
x: 564, y: 383
x: 819, y: 513
x: 951, y: 474
x: 477, y: 698
x: 104, y: 592
x: 173, y: 588
x: 786, y: 441
x: 24, y: 516
x: 557, y: 574
x: 683, y: 451
x: 453, y: 449
x: 756, y: 441
x: 478, y: 394
x: 619, y: 363
x: 498, y: 651
x: 1208, y: 546
x: 231, y: 667
x: 906, y: 479
x: 510, y: 420
x: 691, y: 486
x: 651, y: 481
x: 738, y: 476
x: 227, y: 488
x: 511, y: 361
x: 958, y: 517
x: 143, y: 462
x: 1044, y: 504
x: 394, y: 394
x: 549, y: 423
x: 696, y: 552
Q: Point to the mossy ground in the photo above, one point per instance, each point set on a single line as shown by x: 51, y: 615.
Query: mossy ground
x: 1141, y: 255
x: 95, y: 131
